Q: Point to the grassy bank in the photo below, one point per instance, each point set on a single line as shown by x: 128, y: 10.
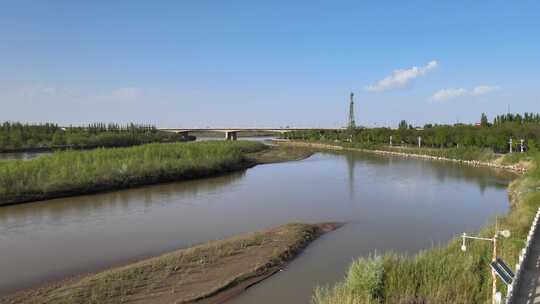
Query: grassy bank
x: 70, y: 173
x: 444, y: 274
x: 469, y: 153
x: 517, y: 162
x: 78, y: 172
x: 210, y: 272
x: 280, y: 153
x: 463, y: 153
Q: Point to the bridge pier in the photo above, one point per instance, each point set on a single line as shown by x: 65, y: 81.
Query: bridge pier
x: 184, y: 135
x: 231, y: 135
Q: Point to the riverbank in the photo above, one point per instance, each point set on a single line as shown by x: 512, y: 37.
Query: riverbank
x: 210, y: 273
x: 56, y: 148
x: 72, y: 173
x: 442, y: 274
x: 279, y: 154
x: 476, y: 159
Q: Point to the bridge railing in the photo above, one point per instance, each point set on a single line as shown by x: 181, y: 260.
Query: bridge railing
x: 523, y: 255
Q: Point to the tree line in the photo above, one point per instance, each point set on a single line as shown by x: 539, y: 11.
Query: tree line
x: 485, y: 135
x: 16, y: 136
x: 519, y: 119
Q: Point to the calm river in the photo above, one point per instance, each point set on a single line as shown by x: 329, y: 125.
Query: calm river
x: 389, y: 204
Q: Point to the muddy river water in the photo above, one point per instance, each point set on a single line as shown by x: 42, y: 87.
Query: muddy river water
x: 387, y: 203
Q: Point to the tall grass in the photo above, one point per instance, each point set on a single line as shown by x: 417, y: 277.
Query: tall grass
x: 100, y: 169
x: 463, y: 153
x: 442, y: 274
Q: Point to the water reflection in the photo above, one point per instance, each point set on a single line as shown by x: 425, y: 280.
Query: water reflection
x: 393, y: 204
x: 350, y: 168
x: 266, y: 139
x: 95, y: 208
x: 22, y: 155
x: 442, y: 171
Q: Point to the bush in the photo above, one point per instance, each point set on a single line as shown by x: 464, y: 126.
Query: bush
x: 365, y: 278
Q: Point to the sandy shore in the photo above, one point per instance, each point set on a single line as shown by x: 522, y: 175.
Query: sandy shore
x: 213, y: 272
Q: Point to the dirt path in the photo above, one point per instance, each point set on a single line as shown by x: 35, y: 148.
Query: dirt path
x: 517, y: 168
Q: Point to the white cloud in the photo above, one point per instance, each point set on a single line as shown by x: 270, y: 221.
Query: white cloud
x: 34, y: 94
x: 126, y: 93
x: 451, y: 93
x: 38, y: 103
x: 37, y: 92
x: 401, y: 78
x: 448, y: 94
x: 483, y: 89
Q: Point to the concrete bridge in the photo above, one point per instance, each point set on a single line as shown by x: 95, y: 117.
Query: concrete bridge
x: 232, y: 133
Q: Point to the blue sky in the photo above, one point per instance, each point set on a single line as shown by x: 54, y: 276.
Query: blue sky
x: 272, y: 63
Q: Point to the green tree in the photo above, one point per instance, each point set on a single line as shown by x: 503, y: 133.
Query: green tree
x: 403, y: 125
x: 58, y: 139
x: 484, y: 121
x: 16, y: 139
x: 4, y: 141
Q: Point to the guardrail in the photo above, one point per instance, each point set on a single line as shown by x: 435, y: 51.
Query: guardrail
x: 522, y: 257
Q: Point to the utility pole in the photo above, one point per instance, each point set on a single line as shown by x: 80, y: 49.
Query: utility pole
x: 493, y: 259
x: 352, y: 123
x: 504, y: 233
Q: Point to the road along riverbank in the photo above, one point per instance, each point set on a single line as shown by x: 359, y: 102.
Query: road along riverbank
x: 411, y: 153
x: 209, y: 273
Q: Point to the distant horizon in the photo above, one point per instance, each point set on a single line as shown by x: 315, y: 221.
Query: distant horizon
x: 240, y: 63
x: 490, y: 120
